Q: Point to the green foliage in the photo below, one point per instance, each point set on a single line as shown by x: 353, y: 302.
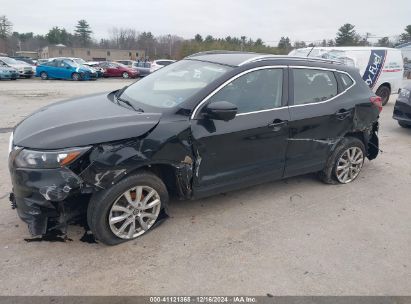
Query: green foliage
x: 83, y: 32
x: 299, y: 44
x: 406, y: 36
x: 346, y: 36
x: 284, y: 45
x: 385, y: 41
x: 5, y: 27
x: 59, y: 36
x: 23, y: 36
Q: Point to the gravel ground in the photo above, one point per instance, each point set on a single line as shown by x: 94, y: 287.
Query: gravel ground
x: 291, y: 237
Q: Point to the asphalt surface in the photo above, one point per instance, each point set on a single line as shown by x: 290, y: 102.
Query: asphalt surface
x: 291, y: 237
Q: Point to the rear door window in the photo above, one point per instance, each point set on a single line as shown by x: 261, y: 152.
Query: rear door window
x: 311, y: 86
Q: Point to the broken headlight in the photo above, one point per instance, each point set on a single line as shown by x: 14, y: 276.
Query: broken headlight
x: 48, y: 159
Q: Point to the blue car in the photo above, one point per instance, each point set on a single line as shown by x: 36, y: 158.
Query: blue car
x: 8, y: 73
x: 65, y: 69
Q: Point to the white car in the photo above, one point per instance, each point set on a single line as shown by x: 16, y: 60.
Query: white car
x: 160, y: 63
x: 24, y: 69
x: 380, y: 67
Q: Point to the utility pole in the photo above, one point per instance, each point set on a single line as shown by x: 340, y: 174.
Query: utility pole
x: 169, y: 40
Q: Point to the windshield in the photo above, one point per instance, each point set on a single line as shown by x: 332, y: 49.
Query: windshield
x: 10, y: 60
x: 174, y: 84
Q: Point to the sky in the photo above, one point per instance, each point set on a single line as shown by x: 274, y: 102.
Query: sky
x: 266, y: 19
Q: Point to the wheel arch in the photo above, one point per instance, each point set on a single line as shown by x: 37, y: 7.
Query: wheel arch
x: 176, y: 177
x: 385, y: 84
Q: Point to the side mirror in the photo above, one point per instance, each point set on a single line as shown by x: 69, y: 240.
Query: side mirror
x: 221, y: 110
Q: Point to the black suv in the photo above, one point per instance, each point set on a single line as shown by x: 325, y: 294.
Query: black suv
x: 210, y: 123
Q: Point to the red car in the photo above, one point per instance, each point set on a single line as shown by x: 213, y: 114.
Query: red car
x: 114, y: 69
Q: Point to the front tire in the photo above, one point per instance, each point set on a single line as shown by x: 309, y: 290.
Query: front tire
x: 384, y: 92
x: 125, y: 75
x: 44, y: 76
x: 75, y: 76
x: 345, y: 163
x: 128, y: 209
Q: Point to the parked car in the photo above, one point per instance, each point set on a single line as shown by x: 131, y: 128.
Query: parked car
x: 96, y: 66
x: 381, y: 68
x: 158, y: 64
x: 33, y: 67
x: 41, y: 61
x: 8, y: 73
x: 25, y: 70
x: 64, y: 69
x: 128, y: 63
x: 402, y: 108
x: 114, y: 69
x: 143, y: 67
x: 211, y: 123
x: 27, y: 60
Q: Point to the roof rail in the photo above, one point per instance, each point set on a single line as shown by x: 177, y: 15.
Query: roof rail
x: 217, y: 52
x: 296, y: 58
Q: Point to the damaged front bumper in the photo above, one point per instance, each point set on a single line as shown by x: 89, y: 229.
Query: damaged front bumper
x: 41, y: 195
x: 402, y: 112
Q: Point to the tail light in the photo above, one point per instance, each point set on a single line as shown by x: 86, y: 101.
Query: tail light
x: 376, y: 100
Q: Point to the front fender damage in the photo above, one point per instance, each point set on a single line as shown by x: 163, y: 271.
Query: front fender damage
x: 53, y: 198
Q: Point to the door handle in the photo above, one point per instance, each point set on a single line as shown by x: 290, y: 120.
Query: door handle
x: 343, y: 114
x: 277, y: 124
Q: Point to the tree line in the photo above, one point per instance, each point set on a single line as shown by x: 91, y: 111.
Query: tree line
x: 173, y: 46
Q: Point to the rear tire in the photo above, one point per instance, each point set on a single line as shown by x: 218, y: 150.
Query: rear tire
x: 44, y: 76
x: 333, y: 170
x: 404, y: 125
x: 100, y: 208
x: 384, y: 92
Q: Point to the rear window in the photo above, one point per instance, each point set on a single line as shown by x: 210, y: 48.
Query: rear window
x: 312, y: 86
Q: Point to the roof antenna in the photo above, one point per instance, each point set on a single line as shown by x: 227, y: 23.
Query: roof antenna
x: 311, y: 50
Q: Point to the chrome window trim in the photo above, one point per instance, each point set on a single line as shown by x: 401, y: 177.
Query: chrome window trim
x: 292, y: 58
x: 260, y: 111
x: 231, y: 80
x: 256, y: 58
x: 324, y: 69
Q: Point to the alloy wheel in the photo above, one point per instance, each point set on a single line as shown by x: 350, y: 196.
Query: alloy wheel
x: 134, y: 212
x: 125, y: 75
x: 349, y: 165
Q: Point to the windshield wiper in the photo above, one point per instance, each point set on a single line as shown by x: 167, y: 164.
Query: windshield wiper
x: 119, y: 99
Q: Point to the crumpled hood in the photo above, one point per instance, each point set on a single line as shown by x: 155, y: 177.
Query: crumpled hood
x: 81, y: 122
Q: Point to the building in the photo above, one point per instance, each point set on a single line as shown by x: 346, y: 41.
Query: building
x: 90, y: 54
x: 405, y: 50
x: 30, y: 54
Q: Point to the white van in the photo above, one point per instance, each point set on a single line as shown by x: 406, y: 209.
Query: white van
x: 381, y: 68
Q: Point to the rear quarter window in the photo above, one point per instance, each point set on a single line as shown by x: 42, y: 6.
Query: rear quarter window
x: 346, y: 81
